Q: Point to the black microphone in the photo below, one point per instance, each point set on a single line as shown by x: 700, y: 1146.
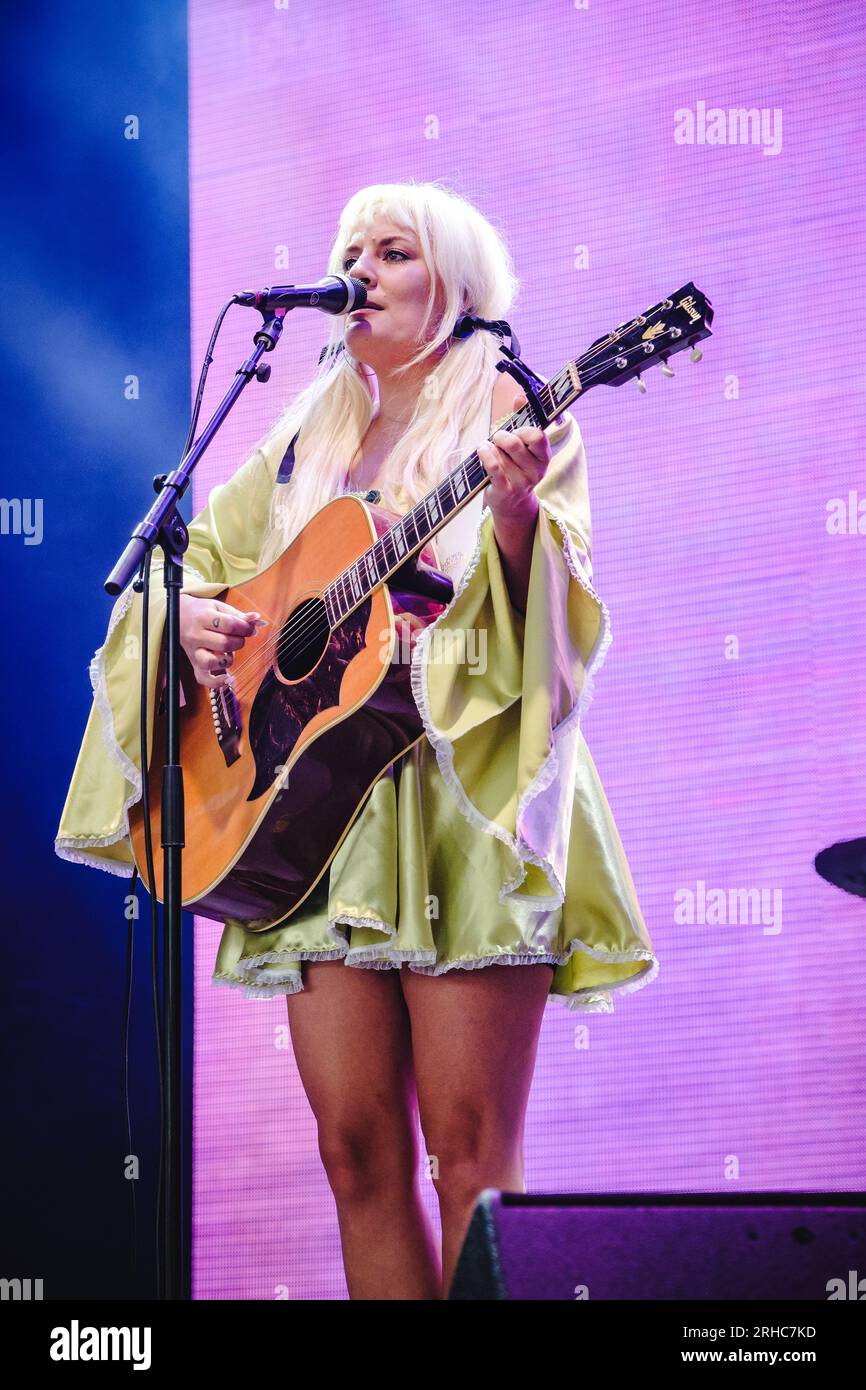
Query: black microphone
x: 336, y: 294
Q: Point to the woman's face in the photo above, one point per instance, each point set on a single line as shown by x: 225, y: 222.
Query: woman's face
x: 388, y: 260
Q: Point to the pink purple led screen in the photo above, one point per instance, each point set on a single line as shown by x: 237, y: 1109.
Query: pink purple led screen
x: 729, y: 530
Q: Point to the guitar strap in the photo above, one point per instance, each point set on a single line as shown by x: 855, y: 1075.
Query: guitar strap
x: 288, y: 462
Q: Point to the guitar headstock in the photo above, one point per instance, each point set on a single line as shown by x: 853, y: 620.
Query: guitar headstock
x: 675, y: 323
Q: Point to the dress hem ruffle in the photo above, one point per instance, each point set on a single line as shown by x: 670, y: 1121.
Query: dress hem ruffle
x: 422, y: 960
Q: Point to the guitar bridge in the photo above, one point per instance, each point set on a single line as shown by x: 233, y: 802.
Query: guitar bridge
x: 226, y: 721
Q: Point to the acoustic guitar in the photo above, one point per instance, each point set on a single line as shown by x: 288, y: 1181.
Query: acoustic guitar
x: 278, y: 761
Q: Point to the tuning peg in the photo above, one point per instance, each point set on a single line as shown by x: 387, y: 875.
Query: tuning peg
x: 641, y: 385
x: 696, y: 354
x: 666, y: 370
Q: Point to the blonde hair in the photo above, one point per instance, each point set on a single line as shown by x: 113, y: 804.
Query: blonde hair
x: 470, y: 267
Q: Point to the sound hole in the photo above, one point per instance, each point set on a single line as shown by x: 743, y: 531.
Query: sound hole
x: 303, y: 638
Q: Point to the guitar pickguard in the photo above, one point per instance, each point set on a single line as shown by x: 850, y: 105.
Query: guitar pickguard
x: 281, y: 712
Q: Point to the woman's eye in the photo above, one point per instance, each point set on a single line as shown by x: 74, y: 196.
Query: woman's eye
x: 392, y: 251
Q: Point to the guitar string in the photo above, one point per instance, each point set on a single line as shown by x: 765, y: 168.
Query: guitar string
x: 311, y: 628
x: 314, y: 625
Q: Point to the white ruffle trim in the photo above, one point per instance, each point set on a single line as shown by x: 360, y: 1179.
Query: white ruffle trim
x: 444, y: 749
x: 74, y: 848
x: 264, y: 984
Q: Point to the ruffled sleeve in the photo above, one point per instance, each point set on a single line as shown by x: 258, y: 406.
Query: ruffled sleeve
x: 224, y: 542
x: 501, y: 694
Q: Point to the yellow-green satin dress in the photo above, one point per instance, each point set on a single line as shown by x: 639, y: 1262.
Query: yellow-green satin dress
x: 491, y: 841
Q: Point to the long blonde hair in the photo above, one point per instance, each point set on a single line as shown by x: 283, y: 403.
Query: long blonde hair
x: 470, y: 264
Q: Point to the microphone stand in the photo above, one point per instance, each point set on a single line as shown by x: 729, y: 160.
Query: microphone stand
x: 163, y: 526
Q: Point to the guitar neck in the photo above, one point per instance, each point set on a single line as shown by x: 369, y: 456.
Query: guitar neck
x: 409, y: 535
x: 675, y: 323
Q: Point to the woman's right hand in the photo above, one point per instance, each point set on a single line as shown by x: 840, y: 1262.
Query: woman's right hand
x: 210, y: 633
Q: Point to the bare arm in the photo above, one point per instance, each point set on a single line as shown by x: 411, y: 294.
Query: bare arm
x: 514, y: 540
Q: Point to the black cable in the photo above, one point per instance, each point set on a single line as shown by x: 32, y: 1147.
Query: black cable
x: 124, y: 1065
x: 144, y: 580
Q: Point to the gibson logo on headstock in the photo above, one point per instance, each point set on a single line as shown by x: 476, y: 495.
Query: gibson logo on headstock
x: 689, y: 305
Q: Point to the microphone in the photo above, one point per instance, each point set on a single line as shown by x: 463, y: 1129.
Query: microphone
x: 336, y: 294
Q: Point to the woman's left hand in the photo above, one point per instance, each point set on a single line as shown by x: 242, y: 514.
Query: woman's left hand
x: 516, y: 461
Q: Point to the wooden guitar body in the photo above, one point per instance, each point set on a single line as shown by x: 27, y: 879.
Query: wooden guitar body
x: 275, y: 773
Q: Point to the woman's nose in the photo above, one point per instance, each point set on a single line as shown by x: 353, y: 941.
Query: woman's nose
x: 362, y: 268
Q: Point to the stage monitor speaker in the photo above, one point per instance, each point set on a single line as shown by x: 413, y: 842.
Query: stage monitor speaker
x: 759, y: 1245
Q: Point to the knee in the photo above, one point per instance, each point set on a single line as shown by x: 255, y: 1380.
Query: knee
x: 470, y: 1153
x: 363, y: 1160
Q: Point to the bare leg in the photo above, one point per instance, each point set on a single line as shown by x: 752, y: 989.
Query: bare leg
x: 474, y: 1040
x: 352, y: 1043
